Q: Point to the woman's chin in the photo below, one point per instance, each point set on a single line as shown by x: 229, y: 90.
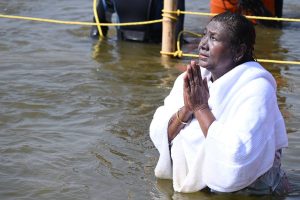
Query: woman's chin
x: 202, y: 63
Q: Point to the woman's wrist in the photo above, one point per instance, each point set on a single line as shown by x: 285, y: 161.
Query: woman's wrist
x: 184, y: 115
x: 201, y: 107
x: 205, y: 118
x: 178, y: 121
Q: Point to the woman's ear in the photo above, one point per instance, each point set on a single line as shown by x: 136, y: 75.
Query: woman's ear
x: 240, y: 53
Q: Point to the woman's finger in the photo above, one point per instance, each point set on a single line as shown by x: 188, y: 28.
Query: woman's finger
x: 195, y: 73
x: 198, y: 70
x: 205, y: 84
x: 186, y: 83
x: 190, y: 76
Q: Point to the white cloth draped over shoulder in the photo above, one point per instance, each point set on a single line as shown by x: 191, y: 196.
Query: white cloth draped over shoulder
x: 241, y: 143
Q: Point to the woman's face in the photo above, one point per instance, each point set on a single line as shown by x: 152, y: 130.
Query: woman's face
x: 215, y: 51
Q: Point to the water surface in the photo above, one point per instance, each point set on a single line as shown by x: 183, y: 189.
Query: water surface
x: 75, y: 113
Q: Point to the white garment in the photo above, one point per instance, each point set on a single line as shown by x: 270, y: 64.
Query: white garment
x: 241, y: 142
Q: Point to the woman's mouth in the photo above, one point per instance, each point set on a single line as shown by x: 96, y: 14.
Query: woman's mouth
x: 203, y: 56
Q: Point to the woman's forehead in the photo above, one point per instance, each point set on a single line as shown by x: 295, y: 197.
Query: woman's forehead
x: 217, y: 27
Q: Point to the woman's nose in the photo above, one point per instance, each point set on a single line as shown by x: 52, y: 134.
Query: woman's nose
x: 203, y: 43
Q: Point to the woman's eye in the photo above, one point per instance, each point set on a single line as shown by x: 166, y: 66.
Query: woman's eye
x: 212, y: 37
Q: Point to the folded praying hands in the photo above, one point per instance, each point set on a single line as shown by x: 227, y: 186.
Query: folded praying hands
x: 195, y: 89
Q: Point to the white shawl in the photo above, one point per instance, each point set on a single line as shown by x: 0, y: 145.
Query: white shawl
x: 241, y: 142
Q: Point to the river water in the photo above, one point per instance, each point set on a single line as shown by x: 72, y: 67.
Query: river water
x: 75, y: 112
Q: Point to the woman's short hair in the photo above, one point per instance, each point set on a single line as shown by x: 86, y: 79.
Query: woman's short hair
x: 240, y: 30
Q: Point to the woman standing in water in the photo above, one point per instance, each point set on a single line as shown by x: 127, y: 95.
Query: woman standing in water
x: 220, y: 127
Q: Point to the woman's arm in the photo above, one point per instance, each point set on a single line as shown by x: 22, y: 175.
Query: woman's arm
x: 205, y: 118
x: 178, y: 121
x: 196, y: 96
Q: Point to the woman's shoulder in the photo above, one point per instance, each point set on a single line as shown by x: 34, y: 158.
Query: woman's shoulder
x: 254, y: 72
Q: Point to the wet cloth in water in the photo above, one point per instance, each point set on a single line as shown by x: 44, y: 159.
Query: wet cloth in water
x: 241, y: 143
x: 273, y: 182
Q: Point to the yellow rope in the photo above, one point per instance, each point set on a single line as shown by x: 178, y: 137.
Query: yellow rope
x: 169, y: 16
x: 179, y: 35
x: 97, y: 18
x: 178, y: 12
x: 79, y: 23
x: 177, y: 53
x: 180, y: 54
x: 273, y: 18
x: 279, y: 61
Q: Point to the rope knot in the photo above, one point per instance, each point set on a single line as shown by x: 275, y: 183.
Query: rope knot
x: 178, y: 54
x: 170, y: 17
